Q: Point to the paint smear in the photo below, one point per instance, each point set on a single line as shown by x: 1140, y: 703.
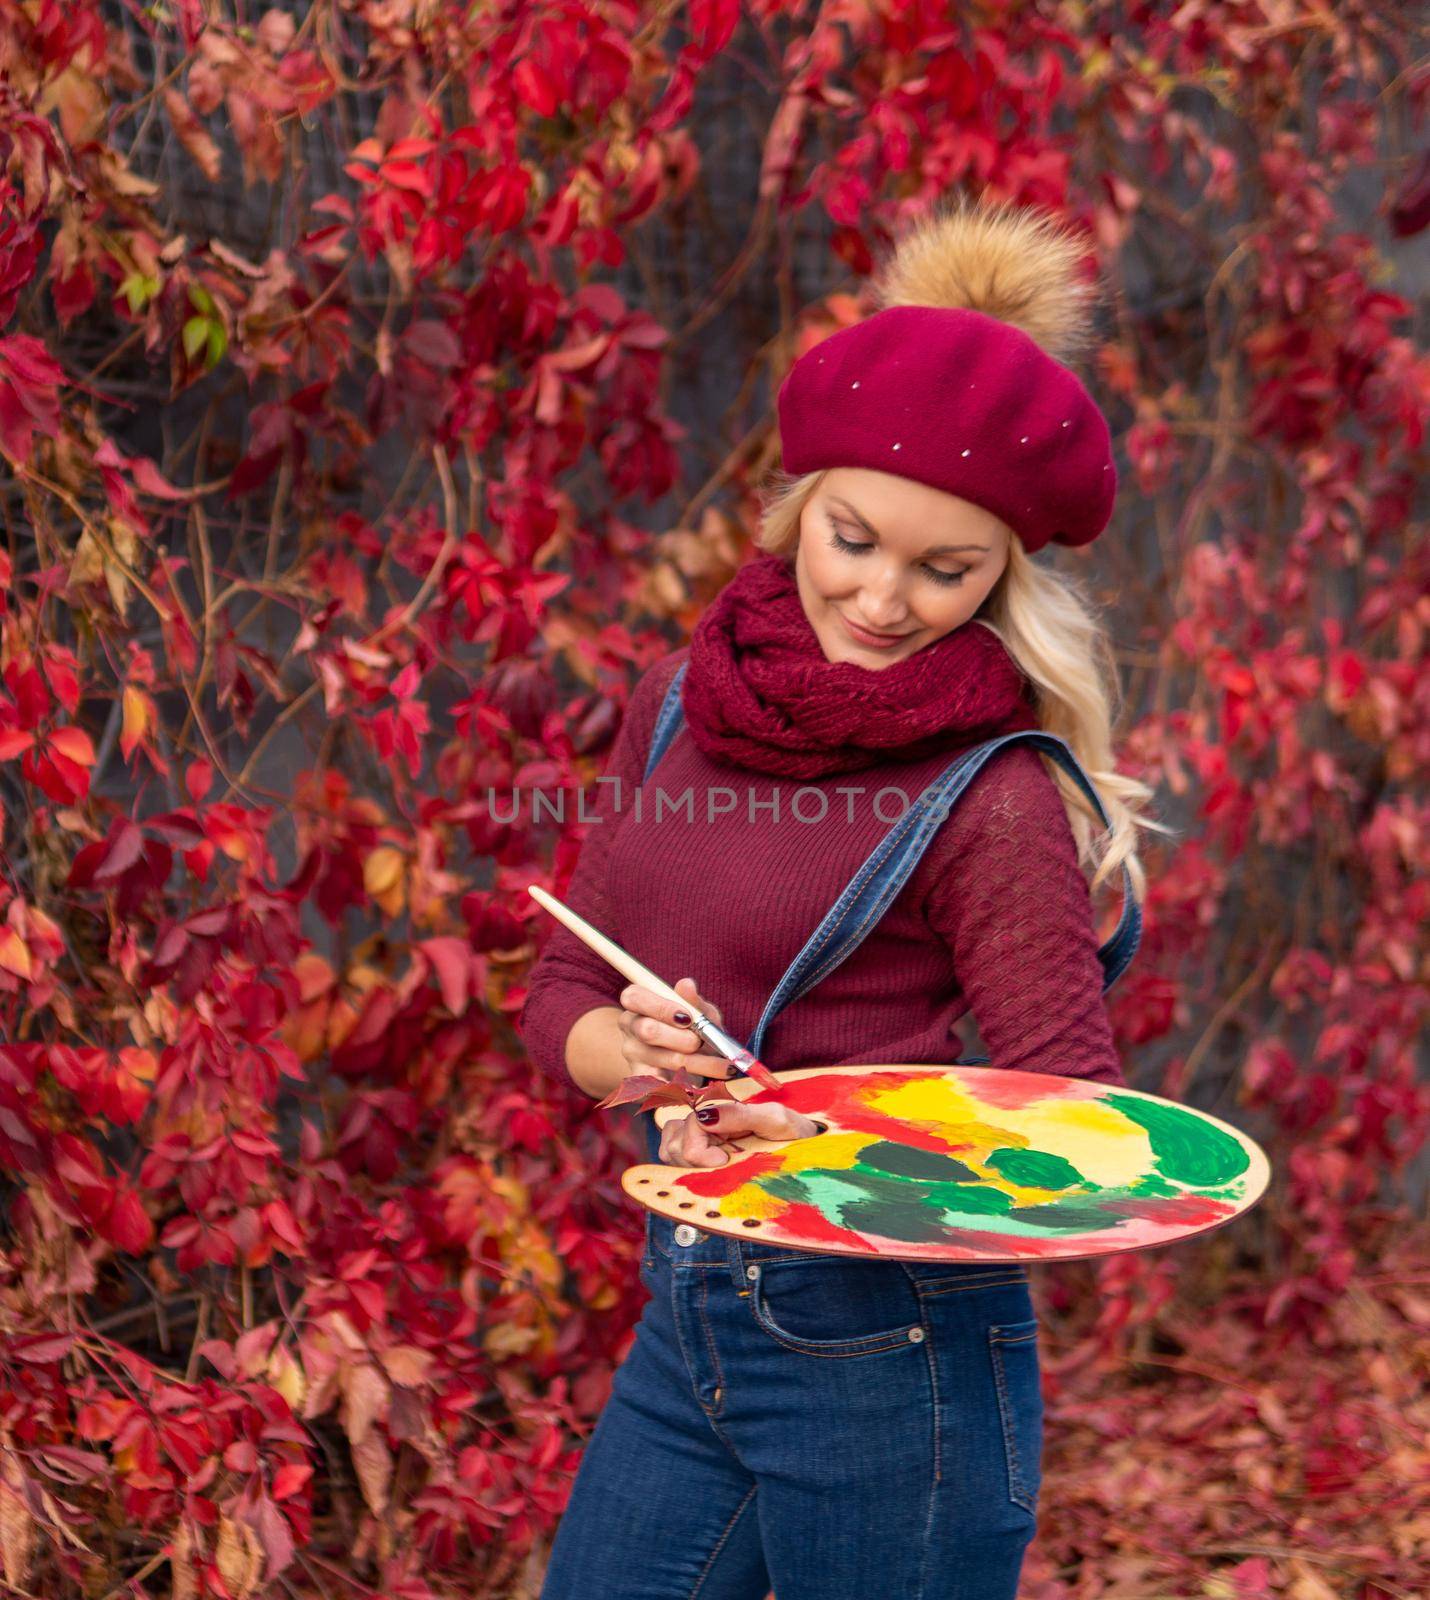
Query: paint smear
x: 1028, y: 1168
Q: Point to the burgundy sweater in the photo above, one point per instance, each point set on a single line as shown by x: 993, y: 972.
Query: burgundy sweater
x: 996, y: 918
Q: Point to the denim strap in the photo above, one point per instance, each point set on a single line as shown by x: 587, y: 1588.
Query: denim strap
x: 668, y: 723
x: 888, y: 867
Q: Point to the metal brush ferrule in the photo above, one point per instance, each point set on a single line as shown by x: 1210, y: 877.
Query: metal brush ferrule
x: 720, y: 1041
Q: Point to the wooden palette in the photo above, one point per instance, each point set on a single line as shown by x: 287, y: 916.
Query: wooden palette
x: 965, y: 1164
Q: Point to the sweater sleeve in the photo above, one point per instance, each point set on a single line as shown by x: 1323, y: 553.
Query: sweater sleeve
x: 1016, y: 910
x: 569, y: 979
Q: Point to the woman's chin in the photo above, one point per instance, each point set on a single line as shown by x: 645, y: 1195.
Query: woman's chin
x: 848, y: 655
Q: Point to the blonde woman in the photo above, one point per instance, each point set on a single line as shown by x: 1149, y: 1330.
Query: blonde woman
x: 838, y: 1428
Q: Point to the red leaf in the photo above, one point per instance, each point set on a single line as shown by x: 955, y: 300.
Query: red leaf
x: 128, y: 1225
x: 290, y: 1478
x: 451, y: 959
x: 125, y: 845
x: 74, y: 744
x: 29, y: 394
x: 634, y: 1087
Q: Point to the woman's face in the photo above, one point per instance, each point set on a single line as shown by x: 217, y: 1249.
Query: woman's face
x: 900, y: 558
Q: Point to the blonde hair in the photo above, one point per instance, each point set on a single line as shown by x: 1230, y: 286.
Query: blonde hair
x: 1050, y: 628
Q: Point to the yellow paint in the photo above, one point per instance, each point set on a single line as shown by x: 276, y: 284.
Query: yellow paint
x: 1099, y: 1141
x: 823, y: 1150
x: 947, y: 1111
x: 749, y: 1200
x: 929, y: 1099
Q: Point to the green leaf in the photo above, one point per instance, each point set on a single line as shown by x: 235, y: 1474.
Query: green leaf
x: 196, y: 333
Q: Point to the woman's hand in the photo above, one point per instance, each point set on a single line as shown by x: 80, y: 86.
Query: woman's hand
x: 690, y: 1141
x: 655, y: 1042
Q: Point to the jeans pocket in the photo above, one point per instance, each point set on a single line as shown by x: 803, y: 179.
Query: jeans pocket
x: 1013, y: 1351
x: 833, y: 1306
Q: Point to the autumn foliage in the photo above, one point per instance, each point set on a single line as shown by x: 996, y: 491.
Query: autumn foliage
x: 341, y: 354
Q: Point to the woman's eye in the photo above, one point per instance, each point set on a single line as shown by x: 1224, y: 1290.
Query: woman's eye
x: 944, y: 577
x: 847, y: 545
x: 850, y: 547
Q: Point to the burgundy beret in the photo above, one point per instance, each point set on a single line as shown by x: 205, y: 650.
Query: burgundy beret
x: 962, y: 401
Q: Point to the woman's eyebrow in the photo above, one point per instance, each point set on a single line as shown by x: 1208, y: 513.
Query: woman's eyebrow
x: 869, y: 528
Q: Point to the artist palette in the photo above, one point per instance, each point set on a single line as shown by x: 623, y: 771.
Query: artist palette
x: 965, y: 1164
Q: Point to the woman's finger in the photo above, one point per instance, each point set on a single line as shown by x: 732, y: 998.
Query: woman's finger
x: 647, y: 1003
x: 684, y: 1143
x: 697, y: 1148
x: 729, y: 1119
x: 634, y: 997
x: 654, y: 1021
x: 707, y: 1008
x: 665, y: 1036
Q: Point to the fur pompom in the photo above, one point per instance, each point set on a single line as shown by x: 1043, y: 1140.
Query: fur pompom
x: 1008, y: 261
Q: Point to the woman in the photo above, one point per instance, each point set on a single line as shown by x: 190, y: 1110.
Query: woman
x: 834, y: 1428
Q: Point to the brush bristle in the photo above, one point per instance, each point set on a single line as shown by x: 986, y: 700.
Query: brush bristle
x: 1007, y: 261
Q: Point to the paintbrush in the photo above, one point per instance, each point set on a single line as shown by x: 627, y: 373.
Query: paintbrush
x: 625, y: 963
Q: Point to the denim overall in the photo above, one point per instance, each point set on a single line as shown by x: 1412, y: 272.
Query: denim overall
x: 831, y: 1427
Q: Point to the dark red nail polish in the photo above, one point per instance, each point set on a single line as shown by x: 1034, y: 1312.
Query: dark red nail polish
x: 682, y: 1016
x: 707, y: 1113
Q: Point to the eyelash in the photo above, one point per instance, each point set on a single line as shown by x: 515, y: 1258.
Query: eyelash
x: 841, y: 543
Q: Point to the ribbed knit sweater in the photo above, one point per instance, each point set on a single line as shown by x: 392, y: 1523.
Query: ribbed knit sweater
x: 725, y: 885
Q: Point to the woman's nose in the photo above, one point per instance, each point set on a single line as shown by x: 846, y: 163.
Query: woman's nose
x: 881, y: 604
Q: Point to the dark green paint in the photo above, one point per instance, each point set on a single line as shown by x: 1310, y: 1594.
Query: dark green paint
x: 904, y: 1161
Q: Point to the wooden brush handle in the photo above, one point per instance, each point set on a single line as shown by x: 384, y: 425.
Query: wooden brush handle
x: 622, y: 960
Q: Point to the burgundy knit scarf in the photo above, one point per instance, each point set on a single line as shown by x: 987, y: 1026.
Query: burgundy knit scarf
x: 759, y: 692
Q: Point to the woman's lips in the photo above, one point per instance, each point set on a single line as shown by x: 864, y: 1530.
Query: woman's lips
x: 875, y: 641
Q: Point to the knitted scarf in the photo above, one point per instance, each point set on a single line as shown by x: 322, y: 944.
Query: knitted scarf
x: 759, y: 692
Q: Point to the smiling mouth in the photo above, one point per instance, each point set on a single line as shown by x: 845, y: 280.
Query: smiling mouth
x: 873, y: 633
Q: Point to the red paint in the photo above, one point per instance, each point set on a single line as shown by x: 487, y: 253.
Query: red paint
x: 809, y: 1225
x: 726, y: 1179
x: 809, y: 1095
x: 843, y: 1102
x: 880, y: 1126
x: 762, y: 1075
x: 1178, y: 1209
x: 1013, y: 1093
x: 1013, y: 1244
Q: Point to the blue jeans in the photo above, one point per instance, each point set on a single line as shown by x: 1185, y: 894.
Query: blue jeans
x: 826, y: 1427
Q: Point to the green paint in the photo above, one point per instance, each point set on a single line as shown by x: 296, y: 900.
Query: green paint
x: 971, y: 1200
x: 892, y: 1220
x: 1188, y: 1149
x: 1067, y: 1216
x: 785, y: 1186
x: 1036, y: 1169
x: 1151, y: 1185
x: 832, y: 1188
x: 1232, y: 1192
x: 916, y: 1207
x: 916, y: 1196
x: 904, y: 1161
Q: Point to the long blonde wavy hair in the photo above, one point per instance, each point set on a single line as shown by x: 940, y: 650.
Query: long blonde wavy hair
x: 1022, y: 266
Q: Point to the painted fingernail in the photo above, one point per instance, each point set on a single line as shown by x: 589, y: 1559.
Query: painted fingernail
x: 707, y: 1113
x: 682, y: 1016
